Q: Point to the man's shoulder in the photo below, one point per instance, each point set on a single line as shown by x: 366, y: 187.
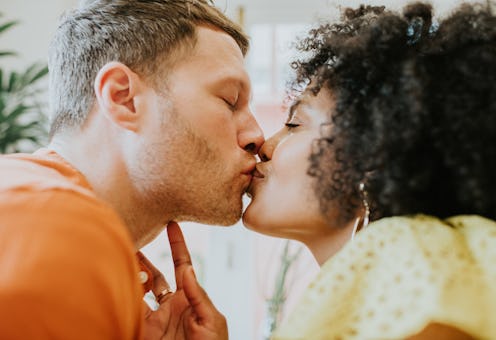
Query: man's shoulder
x: 35, y: 173
x: 47, y: 210
x: 60, y: 213
x: 70, y: 251
x: 43, y: 195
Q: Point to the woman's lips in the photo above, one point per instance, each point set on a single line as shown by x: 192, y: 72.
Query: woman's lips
x: 251, y: 189
x: 257, y: 173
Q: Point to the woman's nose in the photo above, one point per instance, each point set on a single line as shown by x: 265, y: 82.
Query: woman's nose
x: 269, y: 146
x: 263, y: 153
x: 251, y: 136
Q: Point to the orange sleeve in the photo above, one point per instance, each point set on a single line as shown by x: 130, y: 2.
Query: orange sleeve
x: 67, y: 269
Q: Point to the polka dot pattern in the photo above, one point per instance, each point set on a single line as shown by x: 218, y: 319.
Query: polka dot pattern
x: 399, y: 275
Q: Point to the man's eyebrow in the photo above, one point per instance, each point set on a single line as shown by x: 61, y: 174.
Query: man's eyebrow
x: 233, y: 80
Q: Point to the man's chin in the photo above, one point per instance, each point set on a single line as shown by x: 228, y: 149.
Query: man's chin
x: 226, y: 219
x: 224, y: 212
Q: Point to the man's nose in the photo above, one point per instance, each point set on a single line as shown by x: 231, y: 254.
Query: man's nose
x: 251, y: 137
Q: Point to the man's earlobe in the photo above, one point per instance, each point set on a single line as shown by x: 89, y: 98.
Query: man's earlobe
x: 115, y: 90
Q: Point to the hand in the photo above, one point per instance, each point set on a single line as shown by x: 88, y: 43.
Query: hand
x: 187, y: 313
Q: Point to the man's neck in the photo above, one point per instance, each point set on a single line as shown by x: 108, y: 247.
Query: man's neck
x: 106, y: 172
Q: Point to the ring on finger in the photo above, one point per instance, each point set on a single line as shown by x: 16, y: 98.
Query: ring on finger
x: 163, y: 294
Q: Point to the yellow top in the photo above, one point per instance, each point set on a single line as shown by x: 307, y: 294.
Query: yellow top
x: 399, y: 275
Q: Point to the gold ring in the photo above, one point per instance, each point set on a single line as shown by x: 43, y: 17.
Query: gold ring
x: 163, y: 293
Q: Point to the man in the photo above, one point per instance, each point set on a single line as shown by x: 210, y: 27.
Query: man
x: 151, y: 123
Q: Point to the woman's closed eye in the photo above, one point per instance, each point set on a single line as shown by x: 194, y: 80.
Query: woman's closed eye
x: 291, y: 126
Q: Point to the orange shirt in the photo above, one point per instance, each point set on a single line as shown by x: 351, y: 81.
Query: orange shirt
x: 67, y: 263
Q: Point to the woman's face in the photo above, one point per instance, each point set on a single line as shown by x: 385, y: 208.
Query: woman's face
x: 284, y: 203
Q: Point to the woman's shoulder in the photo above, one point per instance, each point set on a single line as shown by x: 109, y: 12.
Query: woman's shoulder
x: 439, y: 256
x: 399, y: 275
x: 431, y: 224
x: 430, y: 235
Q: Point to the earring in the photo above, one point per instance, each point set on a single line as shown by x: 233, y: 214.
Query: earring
x: 361, y: 222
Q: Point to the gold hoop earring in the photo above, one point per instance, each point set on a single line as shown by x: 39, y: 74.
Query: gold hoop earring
x: 362, y: 222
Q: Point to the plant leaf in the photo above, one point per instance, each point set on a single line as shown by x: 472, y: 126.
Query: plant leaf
x: 21, y: 117
x: 11, y: 117
x: 7, y: 53
x: 33, y: 73
x: 43, y: 71
x: 8, y: 25
x: 13, y: 81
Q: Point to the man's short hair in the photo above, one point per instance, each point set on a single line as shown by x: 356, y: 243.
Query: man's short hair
x: 145, y: 35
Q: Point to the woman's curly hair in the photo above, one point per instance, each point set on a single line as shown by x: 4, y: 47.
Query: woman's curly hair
x: 415, y: 114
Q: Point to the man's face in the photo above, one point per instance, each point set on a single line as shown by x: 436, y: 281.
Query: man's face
x: 200, y: 136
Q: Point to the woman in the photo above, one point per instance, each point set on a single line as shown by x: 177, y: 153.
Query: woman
x: 396, y: 125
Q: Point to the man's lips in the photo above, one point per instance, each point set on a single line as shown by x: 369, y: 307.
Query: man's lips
x: 249, y: 170
x: 256, y: 174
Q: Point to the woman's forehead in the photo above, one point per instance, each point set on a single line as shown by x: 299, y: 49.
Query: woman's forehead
x: 309, y: 101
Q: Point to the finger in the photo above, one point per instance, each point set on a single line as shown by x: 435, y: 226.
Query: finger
x: 201, y: 304
x: 204, y: 314
x: 145, y: 274
x: 159, y: 285
x: 180, y: 253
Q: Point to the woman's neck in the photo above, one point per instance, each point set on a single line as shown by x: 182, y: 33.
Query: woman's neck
x: 324, y: 246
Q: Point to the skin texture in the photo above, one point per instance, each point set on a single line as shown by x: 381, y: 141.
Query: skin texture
x: 184, y: 154
x: 207, y: 127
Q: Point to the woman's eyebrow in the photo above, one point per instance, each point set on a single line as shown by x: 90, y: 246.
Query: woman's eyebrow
x: 293, y: 108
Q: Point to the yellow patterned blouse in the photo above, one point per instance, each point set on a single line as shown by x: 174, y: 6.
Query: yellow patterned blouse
x: 399, y: 275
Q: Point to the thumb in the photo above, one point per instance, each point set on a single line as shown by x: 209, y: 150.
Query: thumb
x: 146, y: 309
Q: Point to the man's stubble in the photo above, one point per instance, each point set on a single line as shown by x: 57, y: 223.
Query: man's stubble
x: 182, y: 175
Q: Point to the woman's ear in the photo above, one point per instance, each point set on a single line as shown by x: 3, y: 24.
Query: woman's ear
x: 116, y: 87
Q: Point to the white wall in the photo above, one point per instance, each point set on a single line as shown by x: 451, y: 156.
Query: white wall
x: 39, y: 18
x: 30, y: 38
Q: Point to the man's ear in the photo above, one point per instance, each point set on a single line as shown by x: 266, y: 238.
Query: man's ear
x: 115, y: 89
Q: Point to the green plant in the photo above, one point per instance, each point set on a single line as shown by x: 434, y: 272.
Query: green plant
x: 278, y: 298
x: 22, y: 122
